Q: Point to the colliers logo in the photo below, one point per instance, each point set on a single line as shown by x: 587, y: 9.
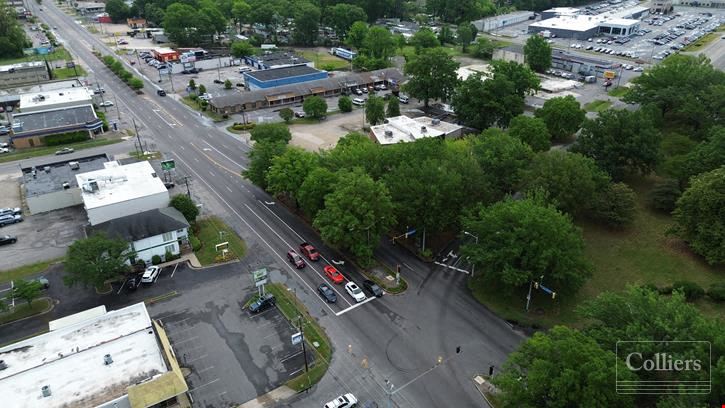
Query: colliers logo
x: 663, y: 367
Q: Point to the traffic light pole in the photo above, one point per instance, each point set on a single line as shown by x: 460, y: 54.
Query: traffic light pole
x: 390, y: 386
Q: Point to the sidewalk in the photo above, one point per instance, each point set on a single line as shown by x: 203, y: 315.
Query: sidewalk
x: 270, y: 399
x: 190, y: 257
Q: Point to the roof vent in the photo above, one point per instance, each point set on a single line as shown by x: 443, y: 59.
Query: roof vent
x: 66, y: 186
x: 107, y: 360
x: 46, y: 169
x: 388, y: 133
x: 154, y: 175
x: 423, y: 129
x: 46, y: 390
x: 3, y: 365
x: 74, y: 165
x: 436, y: 121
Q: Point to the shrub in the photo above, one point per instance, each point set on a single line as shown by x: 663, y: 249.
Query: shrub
x: 286, y: 114
x: 195, y: 243
x: 243, y: 126
x: 650, y: 286
x: 615, y: 206
x: 664, y: 195
x: 717, y: 292
x: 155, y: 260
x: 665, y: 290
x: 691, y: 290
x: 227, y: 84
x: 65, y: 138
x: 344, y: 104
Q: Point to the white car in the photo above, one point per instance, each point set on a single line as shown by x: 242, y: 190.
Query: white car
x: 150, y: 274
x: 106, y: 104
x: 355, y: 291
x: 343, y: 401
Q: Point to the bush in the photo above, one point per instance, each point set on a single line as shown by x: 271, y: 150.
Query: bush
x: 286, y: 114
x: 155, y: 260
x: 344, y: 104
x: 243, y: 126
x: 227, y: 84
x: 650, y: 286
x: 65, y: 138
x: 195, y: 243
x: 615, y: 206
x: 664, y: 195
x: 691, y: 290
x: 717, y: 292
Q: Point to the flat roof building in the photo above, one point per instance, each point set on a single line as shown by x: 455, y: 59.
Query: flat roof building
x: 401, y: 129
x: 58, y: 98
x: 279, y: 59
x: 87, y: 7
x: 567, y: 24
x: 23, y: 73
x: 31, y: 128
x: 52, y: 186
x: 94, y: 358
x: 120, y: 190
x: 494, y: 23
x: 274, y: 77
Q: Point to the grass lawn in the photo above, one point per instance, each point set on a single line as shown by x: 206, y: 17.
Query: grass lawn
x: 44, y: 150
x: 597, y: 106
x: 619, y: 91
x: 291, y: 308
x: 326, y: 61
x: 641, y: 254
x: 65, y: 73
x: 23, y: 310
x: 145, y: 156
x: 703, y: 41
x: 409, y: 51
x: 26, y: 270
x: 59, y: 53
x: 208, y: 234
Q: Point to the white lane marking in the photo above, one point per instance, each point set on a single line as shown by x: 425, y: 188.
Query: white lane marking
x: 156, y: 111
x: 230, y: 190
x: 176, y: 343
x: 196, y: 359
x: 284, y: 261
x: 225, y: 156
x: 205, y: 370
x: 212, y: 173
x: 342, y: 312
x: 174, y: 271
x: 293, y: 355
x: 182, y: 147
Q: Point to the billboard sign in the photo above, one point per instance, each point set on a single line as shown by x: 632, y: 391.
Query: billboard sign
x: 167, y: 165
x: 259, y: 277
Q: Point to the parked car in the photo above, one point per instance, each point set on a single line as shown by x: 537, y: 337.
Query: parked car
x: 263, y: 303
x: 65, y: 150
x: 134, y: 281
x: 354, y: 290
x: 358, y: 91
x: 403, y: 99
x: 150, y: 274
x: 10, y: 211
x: 383, y: 87
x: 332, y: 273
x: 244, y: 69
x: 372, y: 288
x: 358, y: 101
x: 299, y: 114
x: 7, y: 239
x: 44, y: 283
x: 296, y: 260
x: 327, y: 293
x: 343, y: 401
x: 309, y: 251
x: 106, y: 104
x: 160, y: 92
x: 10, y: 219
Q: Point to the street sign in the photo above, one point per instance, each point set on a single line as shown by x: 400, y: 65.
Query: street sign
x: 70, y: 64
x: 609, y: 74
x: 168, y: 165
x: 259, y: 277
x: 222, y: 246
x: 297, y: 338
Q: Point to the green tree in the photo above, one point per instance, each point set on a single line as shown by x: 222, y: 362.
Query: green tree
x: 483, y: 48
x: 432, y: 75
x: 356, y: 213
x: 524, y: 79
x: 615, y: 205
x: 260, y: 160
x: 357, y: 150
x: 400, y: 42
x: 482, y: 104
x: 186, y: 206
x: 571, y: 179
x: 562, y: 115
x: 502, y: 158
x: 537, y: 53
x: 708, y: 155
x: 532, y: 131
x: 154, y: 14
x: 315, y: 107
x: 393, y: 108
x: 561, y: 368
x: 96, y: 259
x: 307, y: 21
x: 344, y: 104
x: 242, y: 49
x: 311, y: 194
x: 180, y: 24
x: 117, y: 10
x: 241, y: 12
x: 192, y: 84
x: 424, y: 38
x: 523, y: 240
x: 357, y: 34
x: 286, y: 114
x: 227, y: 84
x: 700, y: 216
x: 342, y: 16
x: 27, y: 290
x: 210, y: 20
x: 275, y: 132
x: 466, y: 34
x: 664, y: 195
x: 135, y: 83
x: 378, y: 43
x: 375, y: 110
x: 289, y: 170
x: 202, y: 89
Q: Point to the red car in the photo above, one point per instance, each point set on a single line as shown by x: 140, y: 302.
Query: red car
x: 333, y: 274
x: 296, y: 260
x: 309, y: 251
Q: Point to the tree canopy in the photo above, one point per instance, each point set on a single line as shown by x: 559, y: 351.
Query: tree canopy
x: 502, y: 159
x: 96, y: 259
x: 315, y: 107
x: 186, y: 206
x: 289, y: 170
x: 375, y: 110
x: 12, y: 37
x: 432, y: 75
x: 482, y: 104
x: 307, y: 21
x: 276, y: 132
x: 341, y: 17
x: 537, y: 53
x: 27, y: 290
x: 563, y: 116
x: 532, y: 131
x: 424, y: 38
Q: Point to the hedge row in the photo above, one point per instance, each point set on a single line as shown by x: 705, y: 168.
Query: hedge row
x: 117, y: 67
x: 65, y: 138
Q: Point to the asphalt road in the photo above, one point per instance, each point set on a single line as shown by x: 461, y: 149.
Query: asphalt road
x: 394, y: 337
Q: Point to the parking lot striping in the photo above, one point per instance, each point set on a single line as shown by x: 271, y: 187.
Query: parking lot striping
x: 295, y: 372
x: 290, y: 356
x: 269, y: 335
x: 342, y: 312
x: 204, y: 385
x: 176, y: 343
x: 174, y: 271
x: 260, y: 313
x: 205, y: 370
x: 173, y: 314
x: 304, y: 282
x: 119, y: 289
x: 196, y: 359
x: 230, y: 190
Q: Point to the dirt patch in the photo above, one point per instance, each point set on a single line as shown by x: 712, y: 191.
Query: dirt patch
x: 324, y: 135
x: 10, y: 187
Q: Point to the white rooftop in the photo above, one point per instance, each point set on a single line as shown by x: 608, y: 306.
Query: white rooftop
x: 81, y: 95
x: 563, y: 10
x: 404, y: 129
x: 620, y: 22
x: 468, y: 70
x: 70, y: 360
x: 585, y: 23
x: 117, y: 183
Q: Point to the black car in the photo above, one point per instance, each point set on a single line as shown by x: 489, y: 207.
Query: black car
x: 161, y: 92
x: 327, y: 293
x: 262, y: 303
x: 7, y: 239
x: 134, y: 282
x: 372, y: 288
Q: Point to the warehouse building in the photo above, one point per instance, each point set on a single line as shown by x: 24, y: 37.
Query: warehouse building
x: 494, y: 23
x: 95, y: 358
x: 559, y: 12
x: 402, y: 129
x: 31, y: 129
x: 52, y: 186
x: 280, y: 59
x: 560, y: 60
x: 564, y: 23
x: 24, y: 73
x: 275, y: 77
x: 54, y: 99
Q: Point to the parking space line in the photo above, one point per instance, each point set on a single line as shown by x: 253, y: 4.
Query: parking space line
x: 178, y: 321
x: 204, y: 385
x: 174, y: 271
x: 290, y: 356
x: 342, y: 312
x: 205, y: 370
x: 260, y: 313
x: 295, y: 372
x: 195, y: 359
x: 176, y: 343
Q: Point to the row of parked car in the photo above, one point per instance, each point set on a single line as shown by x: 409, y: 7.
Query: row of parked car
x: 149, y: 59
x: 9, y: 216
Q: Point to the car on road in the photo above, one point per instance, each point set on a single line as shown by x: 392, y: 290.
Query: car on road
x: 7, y: 240
x: 343, y: 401
x: 160, y: 92
x: 334, y: 275
x: 309, y: 251
x: 358, y: 101
x: 65, y: 150
x: 150, y: 274
x: 372, y: 288
x: 403, y: 99
x: 296, y: 260
x: 122, y: 42
x: 134, y: 281
x: 4, y: 150
x: 106, y: 104
x: 10, y: 219
x: 327, y: 293
x: 354, y: 290
x: 264, y: 302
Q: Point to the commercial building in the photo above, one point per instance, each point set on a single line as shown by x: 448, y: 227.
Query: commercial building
x: 566, y: 23
x: 289, y: 94
x: 54, y: 99
x: 52, y: 186
x: 559, y: 12
x: 120, y: 190
x: 401, y: 129
x: 165, y: 54
x: 468, y: 70
x: 95, y: 358
x: 280, y: 59
x: 560, y: 60
x: 274, y: 77
x: 24, y: 73
x: 661, y: 6
x: 700, y: 3
x: 150, y: 233
x: 31, y: 129
x: 494, y: 23
x: 87, y: 7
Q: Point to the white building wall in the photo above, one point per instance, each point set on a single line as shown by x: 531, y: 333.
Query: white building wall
x: 148, y: 247
x: 55, y: 200
x: 121, y: 209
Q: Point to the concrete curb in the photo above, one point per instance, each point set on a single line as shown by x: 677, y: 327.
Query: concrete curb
x: 52, y: 306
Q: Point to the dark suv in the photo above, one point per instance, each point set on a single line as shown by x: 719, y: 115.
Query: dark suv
x: 262, y: 303
x: 372, y: 288
x: 134, y: 282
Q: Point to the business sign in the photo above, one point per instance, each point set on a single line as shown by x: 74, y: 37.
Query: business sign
x: 259, y: 277
x: 609, y: 74
x: 70, y: 64
x: 297, y: 338
x: 167, y: 165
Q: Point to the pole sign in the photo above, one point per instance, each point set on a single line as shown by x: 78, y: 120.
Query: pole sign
x: 297, y: 338
x: 609, y: 74
x: 167, y: 165
x: 259, y: 277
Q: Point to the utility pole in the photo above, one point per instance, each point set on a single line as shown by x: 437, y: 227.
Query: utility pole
x: 304, y: 350
x: 118, y: 111
x: 138, y: 137
x: 186, y: 181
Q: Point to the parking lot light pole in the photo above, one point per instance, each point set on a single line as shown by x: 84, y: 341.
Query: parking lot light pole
x: 473, y: 267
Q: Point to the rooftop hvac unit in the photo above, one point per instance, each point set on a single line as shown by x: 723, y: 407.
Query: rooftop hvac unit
x: 423, y: 129
x: 3, y: 365
x: 46, y: 169
x: 107, y: 360
x: 388, y: 133
x: 436, y: 121
x: 74, y: 165
x: 90, y: 186
x: 66, y: 186
x: 46, y: 390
